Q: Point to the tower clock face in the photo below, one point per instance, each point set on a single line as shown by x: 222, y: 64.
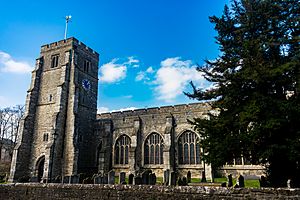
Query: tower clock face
x: 86, y: 84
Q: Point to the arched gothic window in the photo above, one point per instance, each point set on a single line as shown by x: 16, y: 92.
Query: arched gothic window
x: 122, y: 150
x: 153, y: 149
x: 189, y: 149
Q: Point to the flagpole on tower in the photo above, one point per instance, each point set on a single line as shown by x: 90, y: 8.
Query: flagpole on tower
x: 68, y: 18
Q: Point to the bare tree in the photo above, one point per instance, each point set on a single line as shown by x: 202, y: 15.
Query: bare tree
x: 9, y: 125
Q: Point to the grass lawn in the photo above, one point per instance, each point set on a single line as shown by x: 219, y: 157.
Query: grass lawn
x: 249, y: 183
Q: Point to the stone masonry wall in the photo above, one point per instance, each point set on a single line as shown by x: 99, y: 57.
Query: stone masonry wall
x: 114, y: 192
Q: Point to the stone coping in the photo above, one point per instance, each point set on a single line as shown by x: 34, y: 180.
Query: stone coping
x: 158, y: 188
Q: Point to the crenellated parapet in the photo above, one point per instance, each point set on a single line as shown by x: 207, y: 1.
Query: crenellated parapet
x: 62, y: 43
x: 176, y: 109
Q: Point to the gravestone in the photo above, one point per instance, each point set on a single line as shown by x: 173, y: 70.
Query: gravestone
x: 74, y: 179
x: 105, y: 179
x: 263, y: 181
x: 145, y: 177
x: 137, y: 180
x: 130, y: 179
x: 179, y: 182
x: 57, y: 179
x: 88, y: 180
x: 203, y: 177
x: 229, y: 180
x: 152, y: 179
x: 189, y: 177
x: 173, y: 178
x: 241, y: 181
x: 184, y: 181
x: 122, y: 177
x: 111, y: 177
x: 98, y: 180
x: 66, y: 179
x: 34, y: 179
x: 166, y: 177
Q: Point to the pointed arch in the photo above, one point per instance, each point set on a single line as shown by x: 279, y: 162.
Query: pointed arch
x: 153, y: 149
x: 40, y: 164
x: 121, y: 150
x: 189, y: 152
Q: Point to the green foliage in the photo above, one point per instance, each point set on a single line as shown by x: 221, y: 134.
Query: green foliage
x: 256, y: 88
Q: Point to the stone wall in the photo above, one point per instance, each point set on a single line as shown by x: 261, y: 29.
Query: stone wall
x: 111, y: 192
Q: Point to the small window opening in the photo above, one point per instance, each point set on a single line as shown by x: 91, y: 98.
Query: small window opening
x: 86, y: 66
x: 54, y: 61
x: 50, y: 97
x: 45, y: 137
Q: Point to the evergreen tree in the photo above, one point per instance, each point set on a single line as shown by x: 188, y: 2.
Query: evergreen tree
x: 256, y: 89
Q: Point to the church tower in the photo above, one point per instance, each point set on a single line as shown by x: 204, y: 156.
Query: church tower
x: 55, y: 138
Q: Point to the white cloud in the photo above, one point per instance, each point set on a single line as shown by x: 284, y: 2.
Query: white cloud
x: 133, y: 62
x: 173, y: 77
x: 112, y: 71
x: 144, y: 75
x: 124, y: 109
x: 150, y: 70
x: 106, y: 110
x: 8, y: 64
x: 140, y: 76
x: 102, y: 110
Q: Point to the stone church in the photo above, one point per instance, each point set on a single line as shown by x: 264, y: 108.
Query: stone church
x: 62, y: 135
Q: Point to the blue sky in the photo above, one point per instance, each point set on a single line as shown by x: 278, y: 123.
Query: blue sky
x: 148, y: 49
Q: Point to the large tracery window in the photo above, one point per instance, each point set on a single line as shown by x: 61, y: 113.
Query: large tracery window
x: 154, y: 149
x: 122, y: 150
x: 189, y: 149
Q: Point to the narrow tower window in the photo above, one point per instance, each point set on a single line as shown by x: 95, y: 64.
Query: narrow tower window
x: 54, y: 61
x: 86, y: 66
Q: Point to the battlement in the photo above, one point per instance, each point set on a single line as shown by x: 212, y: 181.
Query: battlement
x: 66, y: 42
x: 157, y: 110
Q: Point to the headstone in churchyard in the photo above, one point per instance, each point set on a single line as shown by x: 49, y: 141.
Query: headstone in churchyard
x: 57, y: 179
x: 34, y: 179
x: 229, y: 180
x: 189, y: 177
x: 223, y: 184
x: 241, y: 182
x: 203, y: 178
x: 66, y: 179
x: 145, y: 177
x: 152, y: 179
x: 74, y: 179
x: 166, y: 177
x: 111, y: 177
x: 105, y: 179
x: 88, y: 180
x: 290, y: 183
x: 173, y: 178
x: 130, y: 179
x: 137, y: 180
x: 98, y: 179
x: 179, y: 182
x: 184, y: 181
x: 122, y: 177
x: 263, y: 181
